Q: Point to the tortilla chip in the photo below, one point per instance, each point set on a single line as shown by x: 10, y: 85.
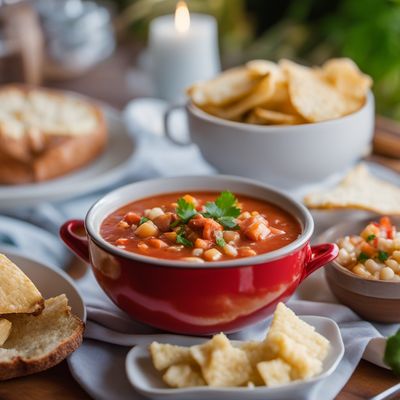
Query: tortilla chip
x: 359, y: 190
x: 17, y: 292
x: 226, y: 88
x: 5, y: 330
x: 345, y: 75
x: 259, y: 95
x: 266, y: 67
x: 313, y: 97
x: 270, y: 117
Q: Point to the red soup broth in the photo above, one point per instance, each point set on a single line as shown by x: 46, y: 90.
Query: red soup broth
x: 118, y: 229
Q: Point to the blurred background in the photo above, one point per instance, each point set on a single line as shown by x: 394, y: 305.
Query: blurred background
x: 57, y: 41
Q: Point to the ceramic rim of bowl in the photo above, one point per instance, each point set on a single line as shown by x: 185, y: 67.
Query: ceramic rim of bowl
x: 303, y: 216
x: 198, y: 112
x: 374, y: 289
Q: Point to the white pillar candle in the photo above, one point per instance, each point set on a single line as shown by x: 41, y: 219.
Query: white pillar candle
x: 182, y: 50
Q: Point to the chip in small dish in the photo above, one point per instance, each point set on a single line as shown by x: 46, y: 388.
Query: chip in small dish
x: 291, y: 351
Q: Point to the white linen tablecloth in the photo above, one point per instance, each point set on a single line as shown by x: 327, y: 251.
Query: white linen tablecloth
x: 98, y: 365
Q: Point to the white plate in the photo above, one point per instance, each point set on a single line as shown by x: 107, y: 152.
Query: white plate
x: 147, y: 380
x: 50, y: 281
x: 110, y: 167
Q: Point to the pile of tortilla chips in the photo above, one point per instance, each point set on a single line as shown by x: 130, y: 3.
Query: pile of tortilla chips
x: 285, y: 93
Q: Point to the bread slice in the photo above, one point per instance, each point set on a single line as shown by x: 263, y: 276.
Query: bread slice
x: 46, y: 133
x: 39, y: 342
x: 17, y: 292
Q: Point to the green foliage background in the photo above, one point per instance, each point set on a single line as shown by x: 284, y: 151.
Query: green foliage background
x: 310, y: 31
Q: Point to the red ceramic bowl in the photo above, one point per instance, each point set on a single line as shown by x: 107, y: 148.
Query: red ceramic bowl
x: 188, y: 298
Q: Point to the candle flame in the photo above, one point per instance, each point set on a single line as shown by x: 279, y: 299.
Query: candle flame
x: 182, y: 17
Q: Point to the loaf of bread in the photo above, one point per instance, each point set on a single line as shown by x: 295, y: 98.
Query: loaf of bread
x: 46, y: 133
x: 36, y: 343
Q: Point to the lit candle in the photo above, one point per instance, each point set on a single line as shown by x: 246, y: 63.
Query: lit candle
x: 183, y: 50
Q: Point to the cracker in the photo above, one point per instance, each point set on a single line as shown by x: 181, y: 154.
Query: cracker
x: 286, y: 322
x: 297, y: 355
x: 227, y: 367
x: 165, y: 355
x: 183, y: 375
x: 257, y: 352
x: 359, y: 190
x: 274, y: 372
x: 222, y: 364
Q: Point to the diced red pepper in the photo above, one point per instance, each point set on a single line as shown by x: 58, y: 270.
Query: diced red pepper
x: 386, y: 224
x: 210, y: 226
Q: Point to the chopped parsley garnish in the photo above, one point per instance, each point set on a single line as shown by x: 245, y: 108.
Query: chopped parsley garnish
x: 143, y: 220
x: 185, y: 212
x: 181, y: 239
x: 371, y: 237
x: 220, y: 242
x: 223, y: 210
x: 219, y: 239
x: 363, y: 257
x: 382, y: 255
x: 392, y: 353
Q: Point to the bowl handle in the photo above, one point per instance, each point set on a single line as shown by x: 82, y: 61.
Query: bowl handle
x: 74, y: 236
x: 321, y: 254
x: 167, y: 129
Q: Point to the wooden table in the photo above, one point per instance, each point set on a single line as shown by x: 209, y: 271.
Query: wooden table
x: 108, y: 82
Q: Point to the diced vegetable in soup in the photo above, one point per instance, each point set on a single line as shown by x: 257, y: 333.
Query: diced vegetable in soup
x: 200, y: 227
x: 374, y: 253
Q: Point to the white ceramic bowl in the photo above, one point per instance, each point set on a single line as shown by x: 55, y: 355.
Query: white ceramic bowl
x: 285, y: 156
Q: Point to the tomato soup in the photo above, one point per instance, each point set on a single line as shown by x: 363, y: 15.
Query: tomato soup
x: 200, y: 227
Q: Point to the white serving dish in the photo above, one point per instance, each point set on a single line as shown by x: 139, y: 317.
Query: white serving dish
x: 148, y: 381
x: 111, y: 166
x: 286, y: 156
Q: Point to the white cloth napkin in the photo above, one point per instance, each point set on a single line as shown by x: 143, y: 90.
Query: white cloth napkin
x: 98, y: 365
